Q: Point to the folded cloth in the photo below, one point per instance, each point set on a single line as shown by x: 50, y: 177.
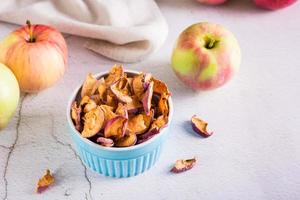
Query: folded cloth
x: 123, y: 30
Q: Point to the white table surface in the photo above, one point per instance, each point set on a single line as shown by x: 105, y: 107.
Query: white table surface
x: 254, y: 153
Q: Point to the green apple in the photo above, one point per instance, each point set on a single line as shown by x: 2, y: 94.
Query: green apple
x: 9, y: 95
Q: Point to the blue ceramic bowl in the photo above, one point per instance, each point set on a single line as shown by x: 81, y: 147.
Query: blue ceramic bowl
x: 113, y: 161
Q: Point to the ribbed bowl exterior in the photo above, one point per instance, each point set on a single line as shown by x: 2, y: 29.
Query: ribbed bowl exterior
x: 118, y: 162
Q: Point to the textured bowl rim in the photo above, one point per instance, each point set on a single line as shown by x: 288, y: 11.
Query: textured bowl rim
x: 155, y: 137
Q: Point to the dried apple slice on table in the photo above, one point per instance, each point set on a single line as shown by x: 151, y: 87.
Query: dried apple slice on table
x: 45, y: 182
x: 183, y: 165
x: 200, y: 126
x: 93, y: 122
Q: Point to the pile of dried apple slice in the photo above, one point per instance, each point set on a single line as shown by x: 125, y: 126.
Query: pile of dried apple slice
x: 121, y: 109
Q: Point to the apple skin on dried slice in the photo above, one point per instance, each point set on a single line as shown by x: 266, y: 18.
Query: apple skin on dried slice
x: 125, y: 98
x: 106, y: 142
x: 183, y: 165
x: 147, y: 136
x: 126, y: 141
x: 116, y: 127
x: 94, y: 121
x: 200, y: 126
x: 147, y: 97
x: 122, y: 110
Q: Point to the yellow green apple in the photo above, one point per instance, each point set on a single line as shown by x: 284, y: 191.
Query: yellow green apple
x: 9, y: 95
x: 206, y: 56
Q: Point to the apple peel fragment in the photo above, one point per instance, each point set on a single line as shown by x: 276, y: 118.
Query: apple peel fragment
x: 200, y: 126
x: 106, y: 142
x: 147, y: 97
x: 45, y: 182
x: 183, y: 165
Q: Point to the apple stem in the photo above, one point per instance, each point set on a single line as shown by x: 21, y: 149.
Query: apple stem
x: 31, y: 38
x: 211, y: 43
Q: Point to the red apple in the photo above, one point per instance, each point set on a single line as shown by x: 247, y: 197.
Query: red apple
x: 206, y: 56
x: 37, y: 55
x: 212, y: 2
x: 273, y: 4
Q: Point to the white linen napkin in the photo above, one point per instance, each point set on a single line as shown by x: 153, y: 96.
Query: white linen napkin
x: 123, y: 30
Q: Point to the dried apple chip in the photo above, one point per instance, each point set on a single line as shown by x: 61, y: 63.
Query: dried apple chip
x: 45, y: 182
x: 116, y: 127
x: 127, y: 140
x: 108, y: 112
x: 138, y: 85
x: 115, y: 74
x: 75, y: 114
x: 147, y: 97
x: 88, y: 85
x: 163, y: 107
x: 200, y: 126
x: 88, y: 104
x: 121, y: 96
x: 137, y: 124
x: 160, y: 87
x: 183, y: 165
x: 107, y: 142
x: 146, y: 136
x: 160, y: 122
x: 93, y: 122
x: 121, y: 110
x: 134, y: 106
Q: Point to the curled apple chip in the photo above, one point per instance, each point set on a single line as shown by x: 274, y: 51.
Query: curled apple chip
x: 102, y: 89
x: 121, y: 96
x: 183, y: 165
x: 88, y: 104
x: 147, y: 97
x: 115, y: 74
x: 163, y: 107
x: 200, y: 126
x: 127, y: 140
x: 160, y: 122
x: 108, y: 112
x: 122, y: 110
x: 137, y: 124
x: 93, y: 122
x: 45, y: 182
x: 88, y: 85
x: 160, y: 87
x: 134, y: 105
x: 75, y: 115
x: 107, y: 142
x: 116, y: 127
